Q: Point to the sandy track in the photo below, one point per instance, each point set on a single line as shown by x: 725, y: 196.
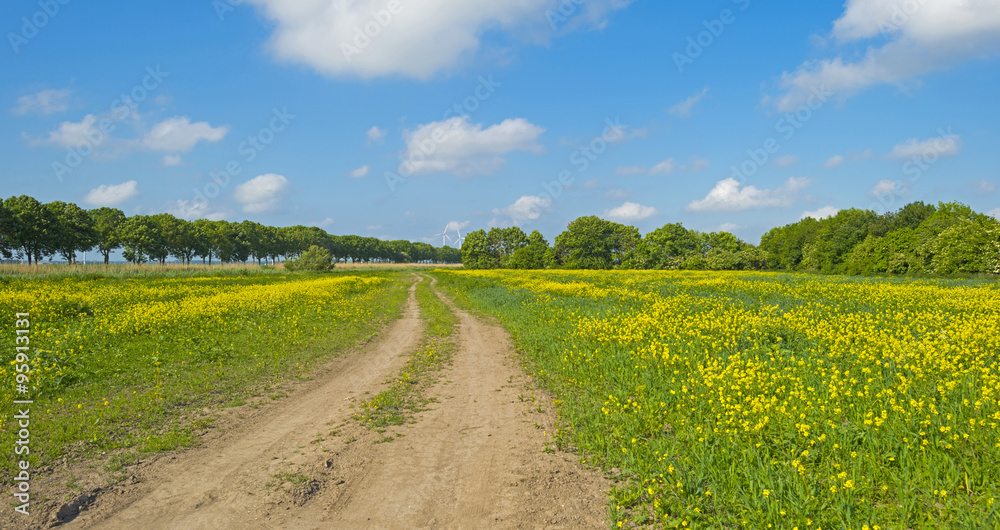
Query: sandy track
x: 474, y: 460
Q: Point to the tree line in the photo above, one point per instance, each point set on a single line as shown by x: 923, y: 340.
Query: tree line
x: 919, y: 238
x: 944, y: 239
x: 34, y: 231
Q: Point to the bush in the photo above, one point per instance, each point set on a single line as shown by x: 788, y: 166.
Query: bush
x: 315, y: 259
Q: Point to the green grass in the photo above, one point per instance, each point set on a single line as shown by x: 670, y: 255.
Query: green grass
x: 295, y: 479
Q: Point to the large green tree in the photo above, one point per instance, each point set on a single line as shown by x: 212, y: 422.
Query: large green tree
x: 137, y: 239
x: 536, y: 255
x: 75, y: 231
x: 594, y: 243
x: 107, y: 223
x: 476, y: 251
x: 34, y: 228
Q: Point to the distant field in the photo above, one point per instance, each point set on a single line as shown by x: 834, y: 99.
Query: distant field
x: 117, y: 359
x: 746, y: 400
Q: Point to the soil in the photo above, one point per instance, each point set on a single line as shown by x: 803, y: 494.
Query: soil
x: 480, y: 456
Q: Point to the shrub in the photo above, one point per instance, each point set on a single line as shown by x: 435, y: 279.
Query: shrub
x: 315, y: 259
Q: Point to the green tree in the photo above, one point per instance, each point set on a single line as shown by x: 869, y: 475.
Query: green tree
x: 425, y: 253
x: 160, y: 228
x: 401, y: 251
x: 669, y: 245
x: 206, y: 248
x: 909, y: 216
x: 784, y: 245
x: 476, y: 251
x: 962, y: 247
x: 536, y: 255
x: 74, y: 230
x: 223, y: 240
x: 136, y: 236
x: 34, y: 229
x: 594, y: 243
x: 448, y: 254
x: 6, y: 230
x: 107, y: 222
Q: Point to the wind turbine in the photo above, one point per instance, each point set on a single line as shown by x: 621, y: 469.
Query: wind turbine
x: 446, y: 239
x: 444, y: 236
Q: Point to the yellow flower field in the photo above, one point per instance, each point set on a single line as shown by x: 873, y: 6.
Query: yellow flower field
x: 756, y: 400
x: 113, y: 356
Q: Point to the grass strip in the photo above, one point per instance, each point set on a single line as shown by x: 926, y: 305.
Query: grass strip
x: 405, y: 397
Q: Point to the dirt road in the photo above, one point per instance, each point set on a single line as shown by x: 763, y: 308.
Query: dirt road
x: 473, y: 460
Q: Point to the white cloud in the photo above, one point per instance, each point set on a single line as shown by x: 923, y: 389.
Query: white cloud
x: 375, y: 228
x: 863, y: 155
x: 822, y: 213
x: 455, y: 225
x: 175, y: 135
x: 699, y: 164
x: 261, y: 194
x: 923, y: 36
x: 421, y: 38
x: 527, y: 208
x: 786, y: 161
x: 178, y: 134
x: 942, y: 146
x: 685, y: 107
x: 728, y: 227
x: 591, y: 184
x: 663, y: 168
x: 884, y: 187
x: 834, y: 161
x: 729, y: 196
x: 325, y: 223
x: 361, y: 172
x: 194, y: 209
x: 458, y: 146
x: 72, y: 134
x: 995, y: 212
x: 112, y: 194
x: 625, y: 133
x: 172, y: 160
x: 983, y: 187
x: 43, y: 102
x: 375, y: 134
x: 630, y: 211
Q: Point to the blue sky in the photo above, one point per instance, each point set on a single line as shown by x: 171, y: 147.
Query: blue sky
x: 399, y: 119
